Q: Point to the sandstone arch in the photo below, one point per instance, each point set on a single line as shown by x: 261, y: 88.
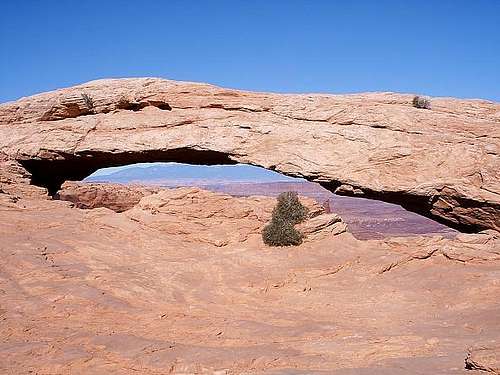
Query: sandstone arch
x: 442, y: 163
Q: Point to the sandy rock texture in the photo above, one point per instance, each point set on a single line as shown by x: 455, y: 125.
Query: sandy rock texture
x: 181, y: 283
x: 484, y: 359
x: 15, y: 181
x: 442, y: 162
x: 366, y: 218
x: 178, y: 281
x: 166, y: 209
x: 116, y: 197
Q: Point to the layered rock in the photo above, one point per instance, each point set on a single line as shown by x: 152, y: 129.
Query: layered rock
x: 485, y: 359
x: 223, y: 220
x: 321, y: 225
x: 116, y: 197
x: 441, y: 162
x: 182, y: 283
x: 178, y: 280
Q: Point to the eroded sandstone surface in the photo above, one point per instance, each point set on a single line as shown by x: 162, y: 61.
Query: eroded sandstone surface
x: 156, y: 281
x: 367, y: 218
x: 116, y: 197
x: 442, y: 162
x: 181, y: 283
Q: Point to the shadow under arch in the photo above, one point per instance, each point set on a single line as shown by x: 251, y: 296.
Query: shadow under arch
x: 52, y: 173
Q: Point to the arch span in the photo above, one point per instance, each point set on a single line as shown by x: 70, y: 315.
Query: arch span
x: 51, y: 174
x: 442, y: 163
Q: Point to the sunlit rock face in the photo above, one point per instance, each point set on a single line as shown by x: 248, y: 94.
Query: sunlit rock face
x: 154, y: 281
x: 179, y: 281
x: 441, y: 162
x: 366, y: 218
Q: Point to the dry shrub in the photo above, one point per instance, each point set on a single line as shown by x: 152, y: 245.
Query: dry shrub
x: 421, y: 102
x: 287, y: 212
x: 89, y: 102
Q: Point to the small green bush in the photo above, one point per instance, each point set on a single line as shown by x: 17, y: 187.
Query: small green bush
x: 287, y: 212
x: 421, y: 102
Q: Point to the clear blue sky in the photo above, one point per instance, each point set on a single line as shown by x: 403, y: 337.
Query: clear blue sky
x: 439, y: 48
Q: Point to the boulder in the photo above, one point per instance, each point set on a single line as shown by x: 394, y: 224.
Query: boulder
x: 116, y: 197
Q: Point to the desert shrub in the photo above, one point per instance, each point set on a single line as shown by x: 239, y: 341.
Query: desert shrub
x: 421, y: 102
x: 89, y: 102
x: 287, y: 212
x: 281, y: 234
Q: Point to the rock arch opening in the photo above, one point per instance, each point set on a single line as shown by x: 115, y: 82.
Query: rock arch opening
x: 366, y: 218
x: 51, y: 173
x: 53, y: 170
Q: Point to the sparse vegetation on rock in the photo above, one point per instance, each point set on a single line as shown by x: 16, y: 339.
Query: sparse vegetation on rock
x: 89, y: 102
x: 287, y: 212
x: 421, y: 102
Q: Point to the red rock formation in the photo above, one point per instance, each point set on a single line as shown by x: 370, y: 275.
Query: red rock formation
x: 441, y: 162
x: 181, y: 282
x: 367, y: 218
x: 484, y: 359
x: 116, y: 197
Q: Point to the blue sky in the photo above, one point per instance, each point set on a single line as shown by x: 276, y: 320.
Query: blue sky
x: 150, y: 172
x: 439, y: 48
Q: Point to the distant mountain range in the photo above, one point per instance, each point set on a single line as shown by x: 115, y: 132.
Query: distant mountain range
x: 178, y: 174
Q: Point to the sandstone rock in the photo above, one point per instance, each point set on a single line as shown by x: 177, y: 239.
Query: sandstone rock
x: 441, y: 162
x: 165, y: 208
x: 15, y: 181
x: 224, y: 219
x: 485, y: 359
x: 182, y: 283
x: 113, y: 196
x: 322, y: 225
